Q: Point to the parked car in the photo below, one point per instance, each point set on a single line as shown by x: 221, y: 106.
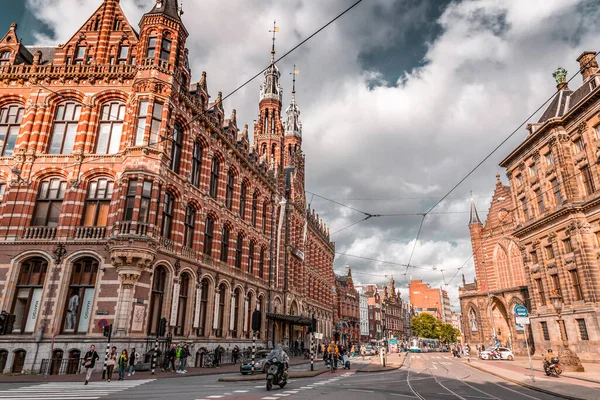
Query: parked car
x: 506, y: 354
x: 260, y: 363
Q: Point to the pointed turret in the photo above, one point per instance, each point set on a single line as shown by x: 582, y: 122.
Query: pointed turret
x: 168, y: 8
x: 474, y: 217
x: 270, y: 88
x: 293, y: 126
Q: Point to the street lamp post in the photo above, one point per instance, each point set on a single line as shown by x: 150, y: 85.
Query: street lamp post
x: 569, y: 361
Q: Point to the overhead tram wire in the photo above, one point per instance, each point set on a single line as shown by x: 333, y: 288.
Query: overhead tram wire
x: 168, y: 136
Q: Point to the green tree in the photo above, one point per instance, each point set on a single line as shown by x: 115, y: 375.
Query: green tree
x: 426, y: 326
x: 448, y: 333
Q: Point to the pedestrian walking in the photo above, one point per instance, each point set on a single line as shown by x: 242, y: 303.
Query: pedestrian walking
x: 217, y: 359
x: 111, y: 363
x: 167, y: 359
x: 363, y: 351
x: 235, y: 354
x: 133, y: 360
x: 89, y: 362
x: 123, y: 361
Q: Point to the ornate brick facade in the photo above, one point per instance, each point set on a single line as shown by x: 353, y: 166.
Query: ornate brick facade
x: 126, y: 195
x: 347, y: 310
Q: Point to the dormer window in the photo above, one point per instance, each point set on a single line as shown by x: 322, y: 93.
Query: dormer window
x: 123, y: 54
x: 5, y: 57
x: 117, y: 25
x: 578, y: 145
x: 79, y: 55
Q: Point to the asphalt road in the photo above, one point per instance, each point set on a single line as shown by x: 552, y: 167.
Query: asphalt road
x: 424, y: 376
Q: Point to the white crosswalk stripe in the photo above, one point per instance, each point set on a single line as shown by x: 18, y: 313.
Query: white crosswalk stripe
x: 69, y: 390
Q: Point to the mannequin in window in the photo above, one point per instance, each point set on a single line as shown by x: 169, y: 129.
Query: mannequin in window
x: 72, y: 311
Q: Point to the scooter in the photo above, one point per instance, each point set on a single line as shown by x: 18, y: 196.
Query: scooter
x: 276, y: 374
x: 552, y: 368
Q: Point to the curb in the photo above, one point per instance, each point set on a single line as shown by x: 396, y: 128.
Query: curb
x: 385, y: 369
x: 526, y: 385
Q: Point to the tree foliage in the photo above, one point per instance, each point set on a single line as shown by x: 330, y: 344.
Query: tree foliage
x: 427, y: 326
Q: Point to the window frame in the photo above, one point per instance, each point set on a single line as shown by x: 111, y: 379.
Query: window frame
x: 151, y: 46
x: 176, y: 148
x: 214, y: 177
x: 556, y: 189
x: 239, y: 250
x: 251, y: 257
x: 166, y: 228
x: 541, y: 293
x: 540, y: 200
x: 10, y: 130
x: 576, y: 283
x: 67, y: 124
x: 545, y: 332
x: 166, y: 45
x: 30, y: 287
x: 182, y: 306
x: 51, y: 202
x: 264, y: 217
x: 261, y: 263
x: 588, y: 180
x: 224, y: 256
x: 229, y: 190
x: 582, y: 328
x: 97, y: 201
x: 209, y: 228
x: 196, y: 171
x: 157, y: 295
x: 243, y: 199
x: 81, y: 288
x: 189, y: 226
x: 114, y: 125
x: 254, y: 209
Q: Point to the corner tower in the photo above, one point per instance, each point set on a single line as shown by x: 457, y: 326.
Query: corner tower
x: 268, y: 129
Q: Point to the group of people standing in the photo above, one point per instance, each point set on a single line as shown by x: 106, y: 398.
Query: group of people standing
x: 126, y: 361
x: 178, y: 353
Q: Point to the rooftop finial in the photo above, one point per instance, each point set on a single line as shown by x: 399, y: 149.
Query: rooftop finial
x: 560, y: 75
x: 294, y: 80
x: 275, y: 29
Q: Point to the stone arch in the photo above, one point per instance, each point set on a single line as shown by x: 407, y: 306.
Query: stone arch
x: 64, y: 95
x: 12, y: 98
x: 108, y: 95
x: 48, y: 172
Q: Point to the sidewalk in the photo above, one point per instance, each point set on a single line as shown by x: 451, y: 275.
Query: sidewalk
x: 591, y: 374
x: 97, y: 375
x: 565, y: 386
x: 394, y: 361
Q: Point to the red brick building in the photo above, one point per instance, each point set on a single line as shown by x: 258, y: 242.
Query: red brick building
x: 126, y: 195
x: 347, y: 310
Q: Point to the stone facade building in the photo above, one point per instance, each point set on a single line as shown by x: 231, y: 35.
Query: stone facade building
x: 499, y: 274
x: 554, y: 177
x: 127, y: 197
x: 364, y: 317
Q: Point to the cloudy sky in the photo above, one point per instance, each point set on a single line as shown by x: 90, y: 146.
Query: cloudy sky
x: 399, y: 99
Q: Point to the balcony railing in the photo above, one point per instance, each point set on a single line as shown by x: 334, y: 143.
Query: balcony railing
x: 39, y: 232
x: 166, y: 244
x: 190, y: 253
x: 66, y: 71
x: 132, y: 228
x: 90, y: 232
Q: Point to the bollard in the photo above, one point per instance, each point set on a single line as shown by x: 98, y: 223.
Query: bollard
x: 154, y: 356
x: 253, y: 349
x: 105, y: 361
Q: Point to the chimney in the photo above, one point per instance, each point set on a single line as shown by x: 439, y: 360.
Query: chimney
x: 588, y: 65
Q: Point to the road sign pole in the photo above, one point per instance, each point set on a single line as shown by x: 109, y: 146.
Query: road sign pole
x: 312, y: 352
x: 253, y: 349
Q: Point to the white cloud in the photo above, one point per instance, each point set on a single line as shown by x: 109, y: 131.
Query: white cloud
x: 490, y: 66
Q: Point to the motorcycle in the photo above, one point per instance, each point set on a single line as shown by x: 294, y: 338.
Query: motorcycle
x: 552, y: 368
x: 276, y: 374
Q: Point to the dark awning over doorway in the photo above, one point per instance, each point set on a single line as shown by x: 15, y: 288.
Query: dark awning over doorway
x: 293, y: 319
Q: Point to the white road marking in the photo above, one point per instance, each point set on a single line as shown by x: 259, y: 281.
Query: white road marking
x: 360, y: 390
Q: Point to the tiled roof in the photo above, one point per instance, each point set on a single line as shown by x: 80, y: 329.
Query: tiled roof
x: 168, y: 8
x: 564, y: 101
x: 47, y: 53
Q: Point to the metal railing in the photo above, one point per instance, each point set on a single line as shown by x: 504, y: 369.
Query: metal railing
x: 132, y: 228
x: 66, y: 71
x: 90, y: 232
x: 61, y: 366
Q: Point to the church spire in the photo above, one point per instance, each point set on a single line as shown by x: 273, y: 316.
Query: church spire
x: 474, y: 217
x: 270, y: 88
x: 293, y: 126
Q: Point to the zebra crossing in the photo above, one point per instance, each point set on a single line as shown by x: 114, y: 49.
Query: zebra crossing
x: 70, y: 390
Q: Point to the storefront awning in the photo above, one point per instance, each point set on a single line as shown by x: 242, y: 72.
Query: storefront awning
x: 293, y: 319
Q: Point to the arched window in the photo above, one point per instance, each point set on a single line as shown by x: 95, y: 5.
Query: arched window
x: 214, y: 177
x: 196, y: 164
x: 156, y: 299
x: 189, y: 228
x: 10, y: 122
x: 49, y: 202
x: 64, y: 130
x: 3, y: 358
x: 165, y: 47
x: 261, y: 264
x: 202, y: 314
x: 248, y: 316
x: 234, y: 313
x: 176, y: 148
x: 97, y: 202
x: 219, y: 311
x: 110, y: 128
x: 229, y: 191
x: 225, y: 244
x: 264, y: 217
x: 19, y: 361
x: 28, y: 297
x: 251, y: 257
x: 243, y: 200
x: 238, y: 251
x: 167, y: 216
x: 78, y: 310
x: 254, y: 208
x: 473, y: 321
x: 208, y: 235
x: 184, y: 290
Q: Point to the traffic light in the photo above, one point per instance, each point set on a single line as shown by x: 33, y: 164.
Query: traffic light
x: 256, y: 320
x: 107, y: 331
x: 162, y: 327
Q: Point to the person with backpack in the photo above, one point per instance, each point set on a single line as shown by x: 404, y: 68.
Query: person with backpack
x: 133, y: 360
x: 89, y: 362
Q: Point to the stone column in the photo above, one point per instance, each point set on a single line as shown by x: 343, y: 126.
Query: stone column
x: 128, y: 278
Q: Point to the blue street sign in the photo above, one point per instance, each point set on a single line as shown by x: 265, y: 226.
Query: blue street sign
x: 521, y: 311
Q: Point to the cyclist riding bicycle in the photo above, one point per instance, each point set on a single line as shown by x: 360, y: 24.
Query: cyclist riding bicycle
x: 334, y: 353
